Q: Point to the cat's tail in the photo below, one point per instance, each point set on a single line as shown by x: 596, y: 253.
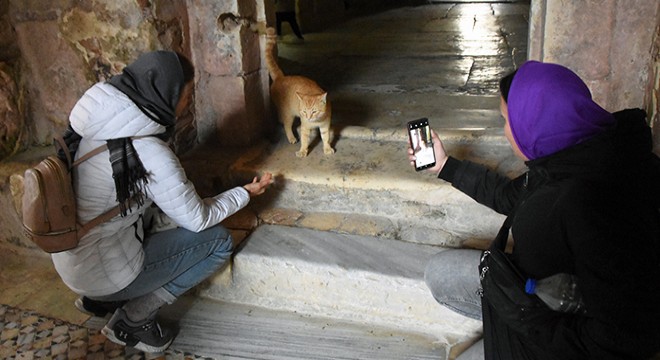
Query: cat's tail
x: 271, y: 47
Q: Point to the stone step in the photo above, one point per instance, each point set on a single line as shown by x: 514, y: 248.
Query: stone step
x: 367, y: 185
x: 369, y: 176
x: 392, y: 110
x: 365, y: 280
x: 221, y: 330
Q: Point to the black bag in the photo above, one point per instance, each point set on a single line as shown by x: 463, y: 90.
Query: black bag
x: 502, y: 284
x: 507, y: 310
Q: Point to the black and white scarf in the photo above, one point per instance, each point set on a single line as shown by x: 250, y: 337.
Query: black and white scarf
x: 128, y: 172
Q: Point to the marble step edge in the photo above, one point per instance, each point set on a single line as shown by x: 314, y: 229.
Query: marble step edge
x: 222, y: 330
x: 417, y: 231
x: 490, y: 136
x: 355, y: 278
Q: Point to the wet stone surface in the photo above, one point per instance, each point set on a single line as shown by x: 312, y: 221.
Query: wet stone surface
x: 409, y: 55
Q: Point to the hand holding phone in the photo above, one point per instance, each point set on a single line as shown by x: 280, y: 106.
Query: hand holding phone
x: 421, y: 142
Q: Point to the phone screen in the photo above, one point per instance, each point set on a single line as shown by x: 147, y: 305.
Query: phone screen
x: 419, y: 132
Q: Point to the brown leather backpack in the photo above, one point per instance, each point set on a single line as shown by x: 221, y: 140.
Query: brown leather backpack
x: 49, y: 203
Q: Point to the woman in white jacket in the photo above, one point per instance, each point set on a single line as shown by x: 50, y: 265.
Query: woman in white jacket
x: 118, y: 266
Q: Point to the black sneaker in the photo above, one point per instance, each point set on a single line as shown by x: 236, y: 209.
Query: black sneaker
x: 146, y: 335
x: 97, y: 308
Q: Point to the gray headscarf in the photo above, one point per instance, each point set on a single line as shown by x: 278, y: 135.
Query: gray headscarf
x: 153, y: 82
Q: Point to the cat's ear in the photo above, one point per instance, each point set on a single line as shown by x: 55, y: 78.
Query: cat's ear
x: 299, y: 96
x: 323, y: 96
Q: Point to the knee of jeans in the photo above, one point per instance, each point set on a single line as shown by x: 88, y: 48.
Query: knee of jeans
x: 224, y: 241
x: 435, y: 269
x: 443, y: 275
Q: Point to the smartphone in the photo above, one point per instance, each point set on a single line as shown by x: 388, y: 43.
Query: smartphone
x: 419, y: 133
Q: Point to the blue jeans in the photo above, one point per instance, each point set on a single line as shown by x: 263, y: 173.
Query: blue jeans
x: 453, y: 277
x: 176, y: 260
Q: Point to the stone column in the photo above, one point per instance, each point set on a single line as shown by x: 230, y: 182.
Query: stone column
x: 609, y: 43
x: 653, y: 91
x: 230, y: 87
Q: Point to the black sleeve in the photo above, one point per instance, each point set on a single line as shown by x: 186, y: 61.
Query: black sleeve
x: 487, y: 187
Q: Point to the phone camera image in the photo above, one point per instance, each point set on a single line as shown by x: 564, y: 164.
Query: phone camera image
x: 421, y: 142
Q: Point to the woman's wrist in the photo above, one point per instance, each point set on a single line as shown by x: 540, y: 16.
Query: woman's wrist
x: 449, y: 168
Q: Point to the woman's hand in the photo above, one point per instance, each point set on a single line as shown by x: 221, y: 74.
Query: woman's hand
x: 440, y: 154
x: 258, y: 187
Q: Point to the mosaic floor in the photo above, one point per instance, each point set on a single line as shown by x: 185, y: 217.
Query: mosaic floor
x: 28, y: 335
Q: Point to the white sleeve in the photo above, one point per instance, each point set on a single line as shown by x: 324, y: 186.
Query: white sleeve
x: 176, y: 196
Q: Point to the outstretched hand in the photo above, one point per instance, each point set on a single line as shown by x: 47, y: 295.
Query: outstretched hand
x: 258, y: 187
x: 440, y: 154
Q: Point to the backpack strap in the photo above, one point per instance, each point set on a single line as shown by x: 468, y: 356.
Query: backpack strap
x: 65, y: 149
x: 60, y: 141
x: 90, y: 154
x: 94, y: 152
x: 106, y: 216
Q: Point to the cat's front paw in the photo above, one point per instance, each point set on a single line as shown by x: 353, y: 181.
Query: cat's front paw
x: 293, y: 140
x: 301, y: 153
x: 328, y: 150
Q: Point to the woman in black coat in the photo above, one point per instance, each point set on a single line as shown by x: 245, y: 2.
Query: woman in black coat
x: 588, y: 206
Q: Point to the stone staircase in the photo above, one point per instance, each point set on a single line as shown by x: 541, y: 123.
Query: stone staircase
x: 332, y: 259
x: 345, y: 238
x: 334, y: 253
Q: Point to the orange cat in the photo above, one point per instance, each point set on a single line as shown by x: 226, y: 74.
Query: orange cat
x: 298, y: 96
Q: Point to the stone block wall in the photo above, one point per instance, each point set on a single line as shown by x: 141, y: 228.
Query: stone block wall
x: 11, y: 122
x: 653, y: 89
x: 64, y: 50
x: 53, y: 51
x: 609, y: 43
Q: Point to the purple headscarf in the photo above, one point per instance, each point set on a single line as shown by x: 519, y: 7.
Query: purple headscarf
x: 550, y: 109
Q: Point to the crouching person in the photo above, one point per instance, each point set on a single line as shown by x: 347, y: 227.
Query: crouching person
x: 119, y: 268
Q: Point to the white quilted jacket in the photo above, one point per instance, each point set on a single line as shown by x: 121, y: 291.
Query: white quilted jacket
x: 110, y: 257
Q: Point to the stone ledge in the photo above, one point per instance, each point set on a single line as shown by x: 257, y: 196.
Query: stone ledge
x: 372, y: 225
x: 493, y: 137
x: 373, y: 178
x: 357, y: 278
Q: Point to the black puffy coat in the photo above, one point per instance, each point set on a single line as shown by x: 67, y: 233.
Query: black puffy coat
x: 591, y: 210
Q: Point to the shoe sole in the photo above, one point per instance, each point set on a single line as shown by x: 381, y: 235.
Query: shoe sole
x: 79, y: 305
x: 110, y: 335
